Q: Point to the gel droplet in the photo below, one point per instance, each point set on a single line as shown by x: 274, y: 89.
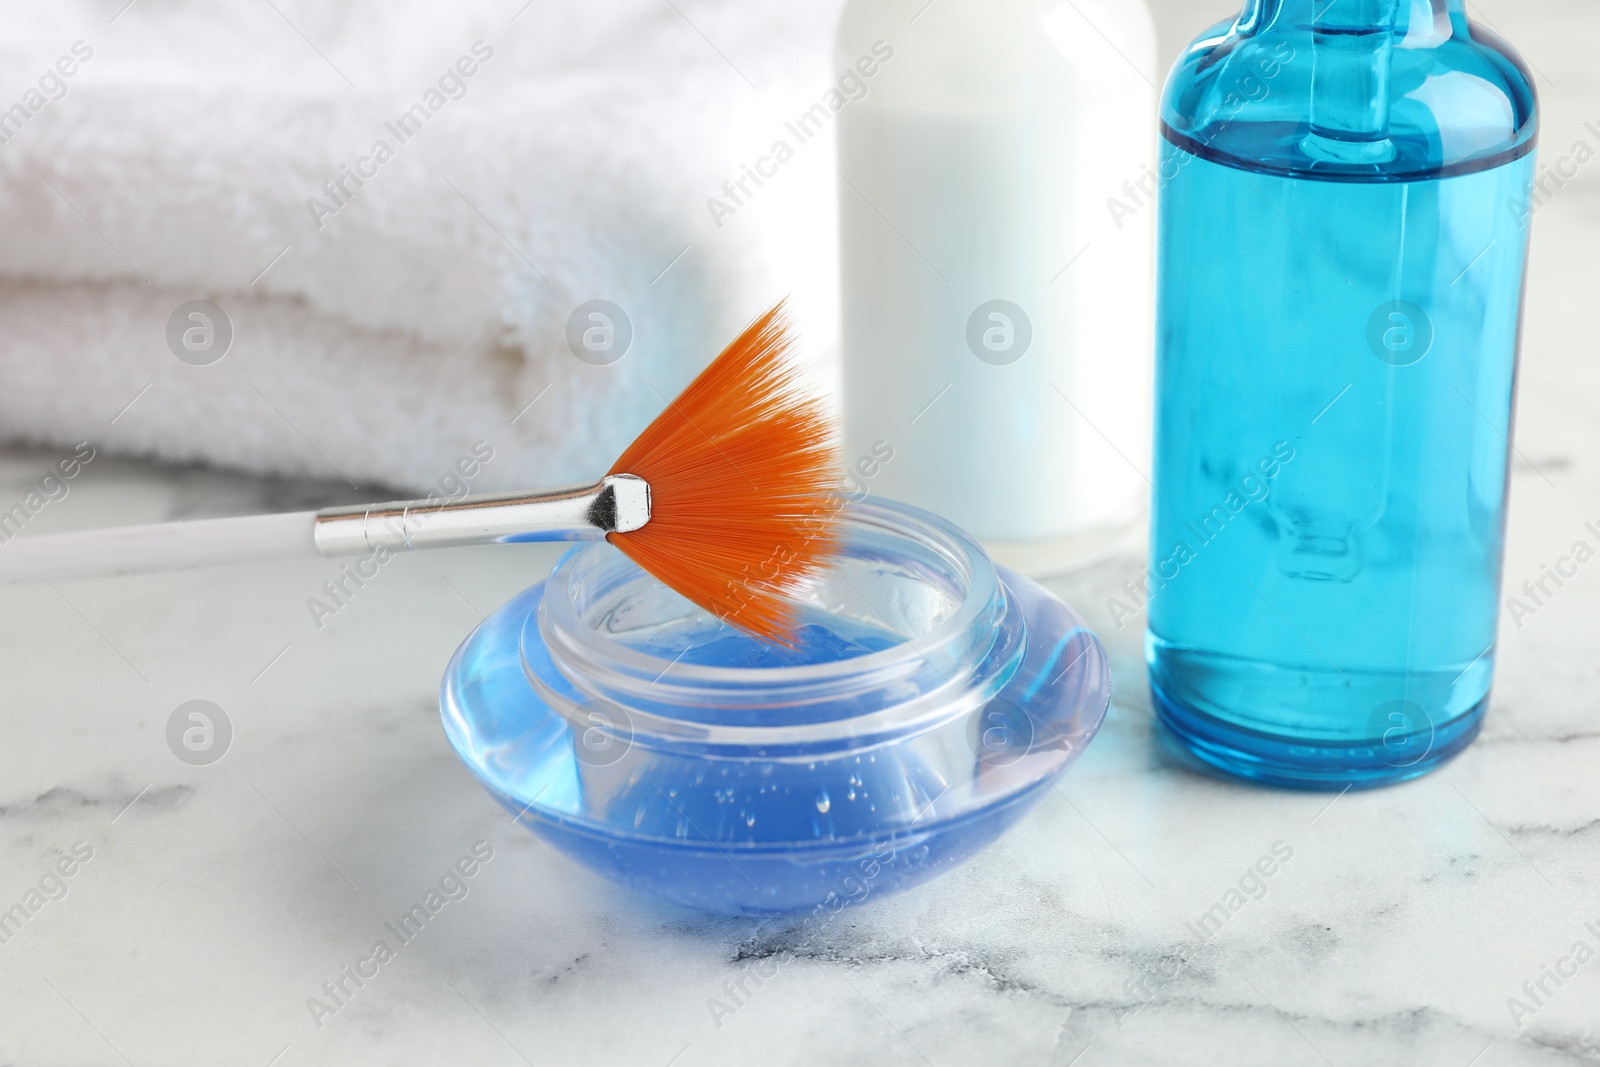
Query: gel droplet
x: 823, y: 803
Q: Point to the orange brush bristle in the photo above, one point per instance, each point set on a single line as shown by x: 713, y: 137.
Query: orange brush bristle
x: 742, y: 468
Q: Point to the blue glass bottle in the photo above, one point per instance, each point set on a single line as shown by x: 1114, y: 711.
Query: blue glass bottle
x: 1346, y: 191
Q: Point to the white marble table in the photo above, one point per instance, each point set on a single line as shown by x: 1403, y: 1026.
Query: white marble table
x: 216, y: 900
x: 219, y: 898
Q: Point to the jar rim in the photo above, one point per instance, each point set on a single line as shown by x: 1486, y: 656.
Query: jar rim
x: 592, y: 653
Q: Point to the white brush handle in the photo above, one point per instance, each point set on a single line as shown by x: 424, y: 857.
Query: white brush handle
x: 169, y: 546
x: 618, y: 503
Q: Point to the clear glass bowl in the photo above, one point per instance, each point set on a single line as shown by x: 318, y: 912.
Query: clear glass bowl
x: 931, y: 700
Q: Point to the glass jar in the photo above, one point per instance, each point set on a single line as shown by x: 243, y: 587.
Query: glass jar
x: 931, y: 699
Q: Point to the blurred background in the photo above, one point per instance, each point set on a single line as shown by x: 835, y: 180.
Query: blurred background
x: 372, y: 328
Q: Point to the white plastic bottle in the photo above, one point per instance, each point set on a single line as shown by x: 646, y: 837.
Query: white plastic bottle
x: 996, y: 209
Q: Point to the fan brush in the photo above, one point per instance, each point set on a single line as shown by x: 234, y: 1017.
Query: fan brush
x: 728, y: 497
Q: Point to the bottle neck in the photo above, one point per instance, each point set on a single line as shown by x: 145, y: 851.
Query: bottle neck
x: 1399, y: 17
x: 1352, y: 90
x: 1352, y: 48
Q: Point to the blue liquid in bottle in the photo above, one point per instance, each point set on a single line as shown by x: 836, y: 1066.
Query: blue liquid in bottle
x: 1342, y: 247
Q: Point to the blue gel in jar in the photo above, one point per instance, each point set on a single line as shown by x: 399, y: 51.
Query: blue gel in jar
x: 930, y: 701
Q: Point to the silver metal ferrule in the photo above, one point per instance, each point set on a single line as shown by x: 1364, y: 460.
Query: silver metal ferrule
x: 619, y: 503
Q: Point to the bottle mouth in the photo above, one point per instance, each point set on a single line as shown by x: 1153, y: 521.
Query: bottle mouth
x: 900, y: 632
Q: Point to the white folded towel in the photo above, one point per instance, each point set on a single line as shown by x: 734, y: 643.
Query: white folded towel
x: 550, y: 154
